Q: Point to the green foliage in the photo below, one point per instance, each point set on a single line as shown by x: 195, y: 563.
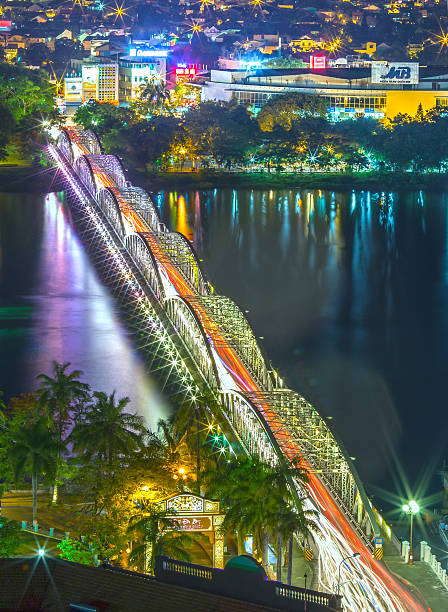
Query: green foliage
x: 222, y: 132
x: 158, y: 536
x: 285, y: 110
x: 258, y: 500
x: 9, y: 537
x: 107, y: 431
x: 103, y: 118
x: 27, y: 99
x: 33, y: 452
x: 153, y: 98
x: 76, y: 551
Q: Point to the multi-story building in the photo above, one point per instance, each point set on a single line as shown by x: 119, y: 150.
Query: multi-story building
x: 114, y: 81
x: 384, y: 90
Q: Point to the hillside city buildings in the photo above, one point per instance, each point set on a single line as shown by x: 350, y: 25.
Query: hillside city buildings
x: 363, y: 59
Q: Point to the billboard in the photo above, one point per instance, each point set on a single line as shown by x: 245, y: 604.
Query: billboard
x: 397, y: 73
x: 5, y: 25
x: 89, y: 82
x: 73, y: 89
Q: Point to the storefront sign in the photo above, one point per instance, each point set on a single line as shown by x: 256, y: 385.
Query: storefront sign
x: 399, y: 73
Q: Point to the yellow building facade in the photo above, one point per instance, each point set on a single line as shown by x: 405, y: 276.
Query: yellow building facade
x: 398, y: 101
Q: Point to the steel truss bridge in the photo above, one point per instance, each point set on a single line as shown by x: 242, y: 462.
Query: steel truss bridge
x: 196, y: 337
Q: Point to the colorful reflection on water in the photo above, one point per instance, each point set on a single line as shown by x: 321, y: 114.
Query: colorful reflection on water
x: 53, y: 307
x: 350, y: 293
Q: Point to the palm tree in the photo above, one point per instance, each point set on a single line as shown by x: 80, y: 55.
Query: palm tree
x: 60, y: 395
x: 258, y: 497
x: 154, y: 98
x: 34, y: 451
x: 106, y: 431
x: 193, y: 421
x: 157, y: 535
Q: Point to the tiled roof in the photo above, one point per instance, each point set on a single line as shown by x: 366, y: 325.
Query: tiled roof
x: 52, y: 584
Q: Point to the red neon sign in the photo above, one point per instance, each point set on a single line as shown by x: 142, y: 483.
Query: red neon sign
x: 318, y: 62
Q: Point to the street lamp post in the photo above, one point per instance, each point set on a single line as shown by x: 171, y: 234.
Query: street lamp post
x: 411, y: 508
x: 353, y: 556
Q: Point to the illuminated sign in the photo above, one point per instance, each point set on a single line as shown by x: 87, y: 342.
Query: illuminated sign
x: 5, y: 25
x: 193, y: 523
x: 249, y: 65
x: 183, y: 70
x: 399, y: 73
x: 318, y: 62
x: 73, y: 89
x: 136, y: 52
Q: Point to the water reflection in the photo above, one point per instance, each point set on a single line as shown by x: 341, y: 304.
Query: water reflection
x: 350, y: 293
x: 55, y: 308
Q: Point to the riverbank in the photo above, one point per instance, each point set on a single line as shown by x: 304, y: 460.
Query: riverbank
x: 210, y: 179
x: 41, y: 180
x: 30, y: 179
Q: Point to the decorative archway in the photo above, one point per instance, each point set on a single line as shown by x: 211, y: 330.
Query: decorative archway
x: 194, y: 513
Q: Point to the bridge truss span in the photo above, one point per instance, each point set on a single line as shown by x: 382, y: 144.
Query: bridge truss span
x: 215, y: 336
x: 227, y: 327
x: 320, y: 451
x: 142, y: 204
x: 175, y: 250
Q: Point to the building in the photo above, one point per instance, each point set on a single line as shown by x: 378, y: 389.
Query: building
x: 114, y: 80
x: 383, y: 90
x: 48, y: 583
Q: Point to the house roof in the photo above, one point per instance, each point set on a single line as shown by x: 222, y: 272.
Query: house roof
x: 55, y: 584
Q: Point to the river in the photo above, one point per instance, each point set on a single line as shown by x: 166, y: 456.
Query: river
x: 349, y: 293
x: 53, y: 307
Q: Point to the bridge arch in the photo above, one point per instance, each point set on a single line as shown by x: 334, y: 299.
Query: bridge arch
x: 232, y: 326
x: 86, y: 141
x: 84, y: 170
x: 142, y: 203
x: 91, y: 142
x: 64, y: 145
x: 188, y: 325
x: 256, y: 435
x: 110, y: 207
x: 108, y: 167
x: 183, y: 256
x: 146, y: 263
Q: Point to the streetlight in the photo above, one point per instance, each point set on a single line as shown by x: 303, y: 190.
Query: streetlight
x: 353, y: 556
x: 411, y: 508
x: 41, y: 552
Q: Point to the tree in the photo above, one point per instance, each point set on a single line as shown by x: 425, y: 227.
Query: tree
x: 257, y: 496
x: 27, y: 100
x: 9, y: 537
x: 153, y: 98
x: 194, y: 421
x: 103, y: 118
x: 158, y: 536
x: 106, y: 431
x: 222, y: 132
x: 76, y: 551
x: 34, y: 451
x: 285, y: 110
x: 61, y: 394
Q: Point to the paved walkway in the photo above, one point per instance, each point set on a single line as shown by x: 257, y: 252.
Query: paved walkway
x: 421, y: 576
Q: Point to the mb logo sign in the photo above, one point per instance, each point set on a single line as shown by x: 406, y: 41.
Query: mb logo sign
x: 403, y: 73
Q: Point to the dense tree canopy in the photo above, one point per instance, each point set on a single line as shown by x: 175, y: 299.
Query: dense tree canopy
x: 27, y: 102
x: 291, y: 132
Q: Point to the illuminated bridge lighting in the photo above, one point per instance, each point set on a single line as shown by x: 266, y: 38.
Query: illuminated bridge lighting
x: 156, y: 271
